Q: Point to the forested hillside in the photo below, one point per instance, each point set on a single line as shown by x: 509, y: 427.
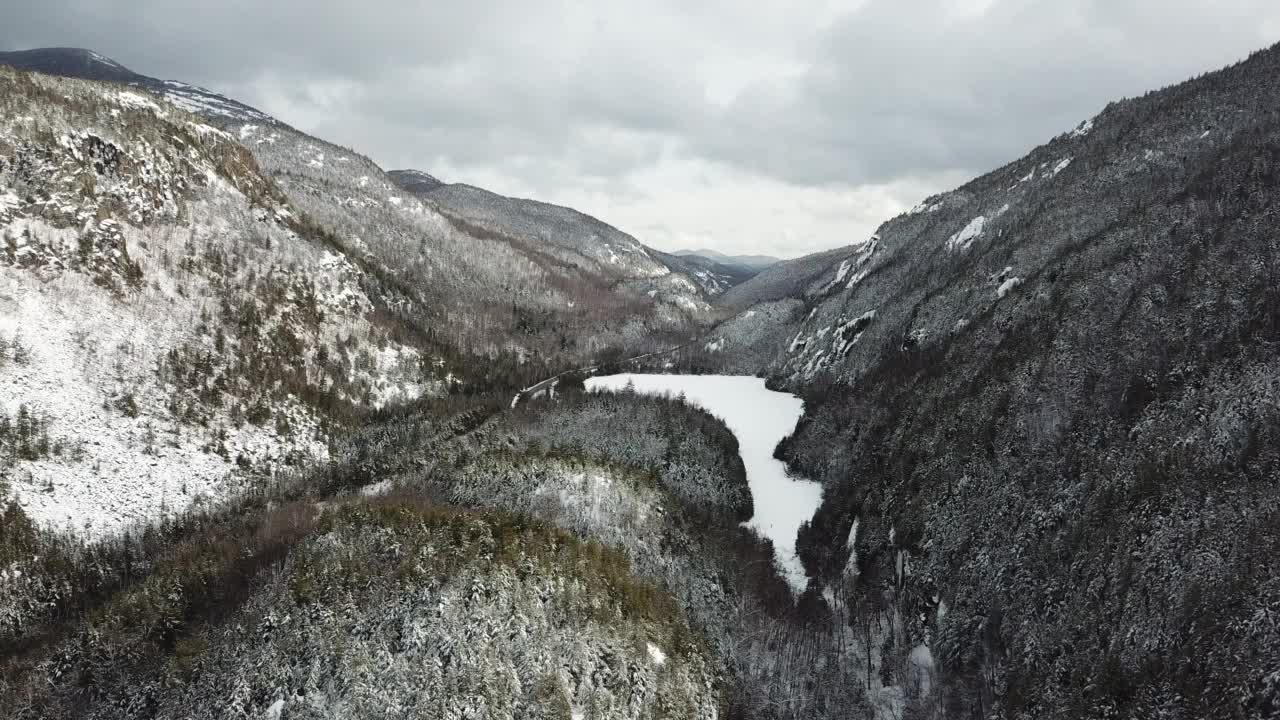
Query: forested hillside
x: 525, y: 285
x: 478, y: 284
x: 1044, y: 408
x: 455, y: 557
x: 192, y: 526
x: 259, y: 455
x: 150, y: 279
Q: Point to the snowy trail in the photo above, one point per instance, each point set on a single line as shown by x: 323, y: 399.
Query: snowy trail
x: 759, y: 418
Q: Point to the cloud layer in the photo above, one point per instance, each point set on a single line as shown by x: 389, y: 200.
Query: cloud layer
x: 775, y: 127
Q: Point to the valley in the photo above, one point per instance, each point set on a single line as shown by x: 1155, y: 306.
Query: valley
x: 286, y: 435
x: 759, y: 418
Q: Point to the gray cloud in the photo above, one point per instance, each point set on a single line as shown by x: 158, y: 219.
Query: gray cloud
x: 779, y: 126
x: 915, y: 86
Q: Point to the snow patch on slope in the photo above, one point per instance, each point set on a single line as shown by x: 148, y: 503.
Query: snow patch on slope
x: 965, y: 237
x: 86, y: 350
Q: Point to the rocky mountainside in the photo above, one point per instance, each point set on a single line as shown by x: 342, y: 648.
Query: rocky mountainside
x: 526, y: 301
x: 1044, y: 408
x: 514, y: 298
x: 414, y: 181
x: 784, y: 279
x: 151, y: 276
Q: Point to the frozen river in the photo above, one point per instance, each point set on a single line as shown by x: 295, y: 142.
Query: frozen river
x: 759, y: 418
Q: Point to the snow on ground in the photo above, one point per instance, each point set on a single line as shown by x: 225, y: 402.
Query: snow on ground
x: 759, y: 418
x: 1007, y: 286
x: 1062, y: 165
x: 199, y: 101
x: 104, y: 60
x: 394, y: 376
x: 924, y: 206
x: 134, y: 100
x: 116, y: 470
x: 965, y: 237
x: 842, y: 272
x: 275, y: 710
x: 655, y: 654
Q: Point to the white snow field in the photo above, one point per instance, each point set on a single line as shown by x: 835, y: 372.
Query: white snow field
x: 759, y: 418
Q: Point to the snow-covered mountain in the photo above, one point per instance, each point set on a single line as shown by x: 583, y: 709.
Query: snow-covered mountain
x: 151, y: 278
x: 716, y: 277
x: 89, y: 65
x: 593, y: 246
x: 571, y: 236
x: 546, y: 283
x: 202, y: 317
x: 1043, y: 405
x: 198, y: 327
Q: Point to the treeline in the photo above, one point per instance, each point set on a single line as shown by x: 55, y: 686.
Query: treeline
x: 24, y: 436
x: 181, y: 572
x: 693, y: 454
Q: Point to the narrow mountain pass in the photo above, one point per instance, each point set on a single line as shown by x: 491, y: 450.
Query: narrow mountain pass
x: 759, y: 418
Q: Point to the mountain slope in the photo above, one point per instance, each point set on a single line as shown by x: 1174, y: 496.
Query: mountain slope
x: 477, y: 287
x: 89, y: 65
x: 572, y: 235
x: 715, y: 276
x: 414, y: 181
x: 1044, y: 408
x: 151, y: 279
x: 576, y: 238
x: 522, y: 302
x: 783, y: 279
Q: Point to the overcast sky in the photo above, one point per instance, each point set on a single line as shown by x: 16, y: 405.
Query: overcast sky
x: 772, y: 126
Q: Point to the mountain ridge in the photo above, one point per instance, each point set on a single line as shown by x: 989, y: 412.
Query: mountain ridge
x: 1001, y: 389
x: 89, y: 65
x: 754, y: 262
x: 584, y: 237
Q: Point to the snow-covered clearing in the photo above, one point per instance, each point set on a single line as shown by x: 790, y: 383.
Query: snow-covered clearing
x: 759, y: 418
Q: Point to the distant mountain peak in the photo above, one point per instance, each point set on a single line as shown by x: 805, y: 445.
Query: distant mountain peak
x: 754, y: 262
x: 71, y: 62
